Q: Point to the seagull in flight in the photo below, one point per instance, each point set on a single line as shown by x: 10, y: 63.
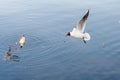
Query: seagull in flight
x: 79, y: 30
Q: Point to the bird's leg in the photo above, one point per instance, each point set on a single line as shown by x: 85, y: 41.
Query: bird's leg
x: 84, y: 40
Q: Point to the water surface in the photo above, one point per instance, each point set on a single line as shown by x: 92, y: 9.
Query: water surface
x: 48, y: 54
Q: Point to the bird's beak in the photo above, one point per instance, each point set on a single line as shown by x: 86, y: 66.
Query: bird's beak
x: 66, y: 35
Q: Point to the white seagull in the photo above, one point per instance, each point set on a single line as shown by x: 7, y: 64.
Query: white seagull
x: 79, y: 31
x: 22, y: 41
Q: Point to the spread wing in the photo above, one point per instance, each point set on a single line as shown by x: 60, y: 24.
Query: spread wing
x: 82, y: 23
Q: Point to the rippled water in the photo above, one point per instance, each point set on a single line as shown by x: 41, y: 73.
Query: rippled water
x: 48, y: 54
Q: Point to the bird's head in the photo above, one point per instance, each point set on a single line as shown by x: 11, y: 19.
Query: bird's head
x: 68, y: 34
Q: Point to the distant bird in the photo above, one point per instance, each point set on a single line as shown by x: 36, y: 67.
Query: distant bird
x: 10, y: 56
x: 9, y: 53
x: 79, y: 32
x: 22, y: 41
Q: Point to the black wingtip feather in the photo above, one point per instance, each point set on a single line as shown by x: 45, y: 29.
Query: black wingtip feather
x: 86, y: 15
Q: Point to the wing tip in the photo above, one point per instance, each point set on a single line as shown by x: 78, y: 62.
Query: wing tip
x: 88, y: 11
x: 86, y: 15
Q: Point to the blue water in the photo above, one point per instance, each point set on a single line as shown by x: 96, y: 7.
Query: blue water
x: 48, y: 54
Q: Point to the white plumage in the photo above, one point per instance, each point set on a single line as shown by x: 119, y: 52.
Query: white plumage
x: 22, y: 41
x: 79, y: 30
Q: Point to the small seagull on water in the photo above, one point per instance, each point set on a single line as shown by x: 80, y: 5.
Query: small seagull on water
x: 22, y: 41
x: 79, y: 32
x: 9, y: 54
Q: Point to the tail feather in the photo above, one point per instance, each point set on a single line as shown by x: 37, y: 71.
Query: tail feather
x: 87, y: 37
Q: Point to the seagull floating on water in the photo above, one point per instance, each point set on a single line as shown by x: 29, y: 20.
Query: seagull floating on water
x: 79, y: 31
x: 9, y: 54
x: 22, y: 41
